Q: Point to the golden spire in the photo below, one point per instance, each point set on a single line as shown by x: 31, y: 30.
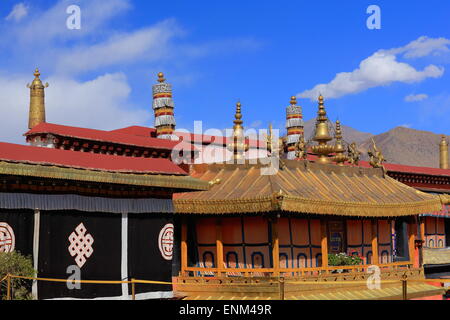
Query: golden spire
x: 269, y: 138
x: 322, y: 135
x: 293, y: 100
x: 238, y: 117
x: 238, y: 145
x: 443, y: 153
x: 37, y: 101
x: 339, y: 149
x: 161, y: 77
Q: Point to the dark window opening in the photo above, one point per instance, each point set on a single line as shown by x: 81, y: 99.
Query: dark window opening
x: 401, y: 252
x: 447, y: 232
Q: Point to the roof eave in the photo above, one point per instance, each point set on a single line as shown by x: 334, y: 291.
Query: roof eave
x: 147, y: 180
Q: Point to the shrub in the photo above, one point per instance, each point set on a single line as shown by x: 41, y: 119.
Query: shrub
x: 342, y: 259
x: 16, y: 264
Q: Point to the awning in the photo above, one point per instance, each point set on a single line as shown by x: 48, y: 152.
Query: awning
x: 82, y: 203
x: 303, y: 187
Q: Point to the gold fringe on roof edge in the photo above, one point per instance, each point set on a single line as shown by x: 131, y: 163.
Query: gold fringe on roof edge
x: 148, y: 180
x: 308, y: 206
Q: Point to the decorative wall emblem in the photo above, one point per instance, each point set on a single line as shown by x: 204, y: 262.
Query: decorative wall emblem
x: 165, y: 241
x: 7, y: 238
x: 81, y: 245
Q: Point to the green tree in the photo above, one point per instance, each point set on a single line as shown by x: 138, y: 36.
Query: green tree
x: 16, y: 264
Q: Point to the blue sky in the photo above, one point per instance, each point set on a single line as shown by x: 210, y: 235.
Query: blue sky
x: 214, y: 53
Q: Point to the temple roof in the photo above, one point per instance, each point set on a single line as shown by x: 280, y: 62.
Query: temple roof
x: 303, y: 187
x: 135, y: 136
x: 117, y: 136
x: 71, y: 165
x: 411, y: 169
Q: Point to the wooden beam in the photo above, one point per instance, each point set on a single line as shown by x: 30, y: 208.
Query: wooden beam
x: 324, y: 242
x: 219, y: 245
x: 275, y: 247
x: 184, y: 248
x: 375, y: 259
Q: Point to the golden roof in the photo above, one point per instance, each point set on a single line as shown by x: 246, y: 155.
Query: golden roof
x: 303, y: 187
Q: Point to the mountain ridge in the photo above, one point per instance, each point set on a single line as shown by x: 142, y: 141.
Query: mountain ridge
x: 400, y: 145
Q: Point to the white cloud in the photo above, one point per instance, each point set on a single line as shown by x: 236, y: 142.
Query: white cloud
x: 51, y: 26
x: 406, y: 125
x: 381, y: 69
x: 18, y: 12
x: 256, y: 124
x: 422, y: 47
x: 102, y: 103
x: 416, y: 97
x: 147, y: 44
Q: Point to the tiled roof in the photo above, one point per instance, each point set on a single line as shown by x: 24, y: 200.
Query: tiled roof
x: 304, y: 187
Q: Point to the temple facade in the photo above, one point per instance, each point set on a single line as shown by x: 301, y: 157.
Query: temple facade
x: 218, y: 209
x: 287, y: 224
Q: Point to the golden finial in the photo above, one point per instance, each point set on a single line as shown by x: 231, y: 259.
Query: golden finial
x: 338, y: 134
x: 443, y: 153
x: 37, y: 101
x: 161, y: 77
x: 238, y: 146
x: 238, y: 115
x: 269, y: 138
x: 322, y: 135
x: 293, y: 100
x: 444, y: 141
x: 339, y: 158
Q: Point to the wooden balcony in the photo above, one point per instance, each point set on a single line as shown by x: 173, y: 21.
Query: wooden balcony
x: 305, y: 283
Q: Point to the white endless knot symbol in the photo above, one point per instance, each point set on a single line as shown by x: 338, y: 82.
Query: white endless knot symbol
x: 165, y: 241
x: 81, y: 245
x: 7, y: 238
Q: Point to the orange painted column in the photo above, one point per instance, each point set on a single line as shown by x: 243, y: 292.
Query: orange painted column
x: 324, y: 242
x: 219, y: 246
x: 422, y: 237
x: 413, y: 254
x: 184, y: 248
x: 422, y: 230
x: 375, y: 259
x: 275, y: 247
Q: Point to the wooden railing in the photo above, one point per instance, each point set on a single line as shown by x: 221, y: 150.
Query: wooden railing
x: 286, y: 272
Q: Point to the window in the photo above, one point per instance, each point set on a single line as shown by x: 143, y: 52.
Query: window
x: 401, y: 252
x: 447, y: 232
x: 336, y: 234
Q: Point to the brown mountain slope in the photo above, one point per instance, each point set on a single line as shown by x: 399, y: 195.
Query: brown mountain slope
x: 406, y: 146
x: 350, y: 135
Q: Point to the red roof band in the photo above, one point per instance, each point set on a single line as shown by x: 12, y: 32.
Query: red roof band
x: 117, y: 137
x: 85, y: 160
